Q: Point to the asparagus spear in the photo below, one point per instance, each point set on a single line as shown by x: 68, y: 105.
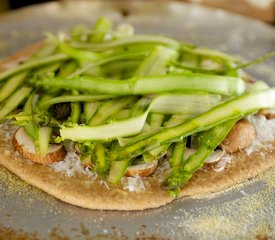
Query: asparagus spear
x: 148, y: 85
x: 210, y: 140
x: 235, y: 108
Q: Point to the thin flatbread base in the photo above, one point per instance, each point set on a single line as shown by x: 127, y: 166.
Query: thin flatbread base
x: 87, y: 193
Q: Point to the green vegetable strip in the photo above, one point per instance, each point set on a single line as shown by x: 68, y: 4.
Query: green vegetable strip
x: 140, y: 106
x: 32, y: 131
x: 234, y: 108
x: 156, y: 62
x: 75, y: 112
x: 131, y: 40
x: 44, y: 137
x: 209, y: 53
x: 79, y: 54
x: 33, y: 64
x: 67, y: 69
x: 109, y: 108
x: 101, y: 165
x: 48, y: 48
x: 12, y: 84
x: 72, y: 98
x: 105, y: 132
x: 185, y: 103
x: 210, y: 140
x: 177, y: 157
x: 156, y: 120
x: 47, y: 70
x: 105, y: 60
x: 117, y: 170
x: 147, y: 85
x: 90, y: 109
x: 102, y: 26
x: 14, y: 100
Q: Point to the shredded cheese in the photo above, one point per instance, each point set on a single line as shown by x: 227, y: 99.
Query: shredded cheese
x: 133, y: 184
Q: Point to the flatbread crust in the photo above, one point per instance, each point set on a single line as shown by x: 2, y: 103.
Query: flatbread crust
x: 82, y: 191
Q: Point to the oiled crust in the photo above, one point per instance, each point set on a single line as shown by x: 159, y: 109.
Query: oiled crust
x: 82, y: 191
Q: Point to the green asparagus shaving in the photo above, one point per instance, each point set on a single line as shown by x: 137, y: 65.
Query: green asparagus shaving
x: 109, y: 108
x: 235, y: 108
x: 12, y: 84
x: 108, y: 59
x: 131, y: 40
x: 102, y: 27
x: 209, y: 54
x: 117, y: 170
x: 46, y: 103
x: 75, y: 112
x: 177, y: 158
x: 33, y: 64
x: 48, y: 48
x: 79, y: 54
x: 210, y: 140
x: 185, y: 103
x: 156, y: 62
x: 156, y: 120
x: 101, y: 164
x: 258, y: 60
x: 67, y: 69
x: 31, y: 130
x: 105, y: 132
x: 14, y: 100
x: 140, y: 106
x: 148, y: 85
x: 48, y: 70
x: 90, y: 109
x: 44, y: 137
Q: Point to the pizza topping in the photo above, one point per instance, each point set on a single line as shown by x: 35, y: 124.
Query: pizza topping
x: 143, y: 169
x: 268, y: 113
x: 240, y: 137
x: 26, y: 147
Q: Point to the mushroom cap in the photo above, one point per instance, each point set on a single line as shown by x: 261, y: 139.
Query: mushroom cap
x: 26, y: 147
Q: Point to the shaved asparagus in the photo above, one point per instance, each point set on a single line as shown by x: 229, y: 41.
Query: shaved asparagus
x: 131, y: 40
x: 235, y: 108
x: 148, y: 85
x: 33, y: 64
x: 14, y: 100
x: 210, y: 140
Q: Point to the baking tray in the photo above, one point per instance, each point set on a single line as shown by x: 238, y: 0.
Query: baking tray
x: 246, y: 211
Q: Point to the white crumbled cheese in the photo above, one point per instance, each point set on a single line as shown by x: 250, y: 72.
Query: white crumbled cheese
x: 71, y: 165
x: 265, y: 132
x: 220, y: 165
x: 133, y: 184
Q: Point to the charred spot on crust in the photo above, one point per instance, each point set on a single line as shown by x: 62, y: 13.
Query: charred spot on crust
x: 61, y: 111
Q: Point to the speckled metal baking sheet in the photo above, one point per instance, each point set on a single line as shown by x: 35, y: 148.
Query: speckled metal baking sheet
x: 244, y: 212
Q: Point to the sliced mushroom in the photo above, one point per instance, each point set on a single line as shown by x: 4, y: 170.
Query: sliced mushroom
x: 213, y: 158
x: 26, y: 147
x: 268, y: 113
x: 240, y: 137
x: 143, y: 169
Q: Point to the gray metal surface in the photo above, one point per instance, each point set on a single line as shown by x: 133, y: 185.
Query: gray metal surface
x: 245, y: 212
